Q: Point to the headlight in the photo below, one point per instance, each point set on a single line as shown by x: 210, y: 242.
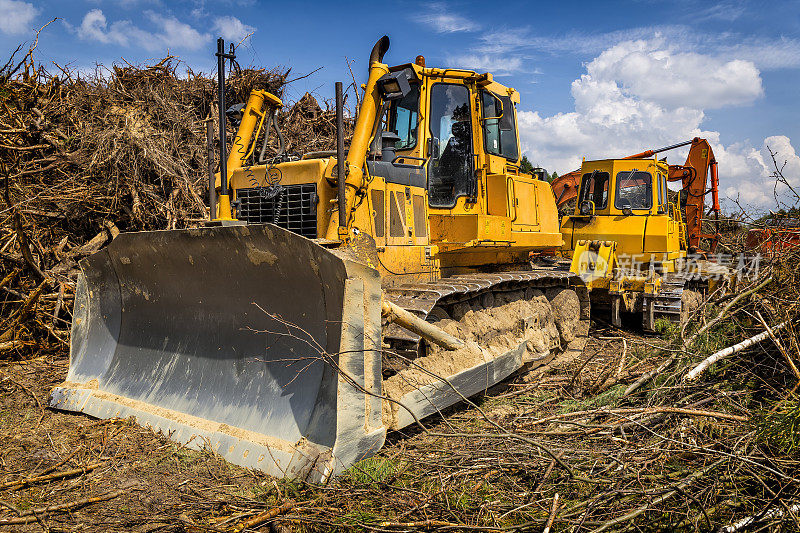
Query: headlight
x: 394, y: 85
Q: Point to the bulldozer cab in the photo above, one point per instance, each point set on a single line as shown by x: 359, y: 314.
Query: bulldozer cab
x: 452, y: 128
x: 625, y: 238
x: 447, y: 152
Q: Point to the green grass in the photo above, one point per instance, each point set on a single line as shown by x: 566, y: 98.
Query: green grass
x: 371, y: 470
x: 781, y: 428
x: 722, y: 335
x: 610, y: 398
x: 359, y: 516
x: 668, y: 329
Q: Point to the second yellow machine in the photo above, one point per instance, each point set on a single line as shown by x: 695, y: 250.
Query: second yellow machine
x: 334, y: 295
x: 631, y: 243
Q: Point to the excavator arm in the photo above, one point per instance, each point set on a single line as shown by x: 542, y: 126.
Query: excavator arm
x: 694, y: 175
x: 565, y: 187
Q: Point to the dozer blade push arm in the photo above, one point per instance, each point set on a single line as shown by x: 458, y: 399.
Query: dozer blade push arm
x: 426, y: 330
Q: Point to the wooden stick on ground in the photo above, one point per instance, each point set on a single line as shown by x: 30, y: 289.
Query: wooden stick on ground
x: 678, y: 488
x: 266, y: 516
x: 777, y: 342
x: 546, y: 474
x: 50, y: 477
x: 644, y: 378
x: 33, y: 515
x: 552, y: 517
x: 775, y: 512
x: 647, y: 376
x: 722, y: 314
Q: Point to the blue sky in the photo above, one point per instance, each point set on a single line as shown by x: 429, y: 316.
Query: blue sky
x: 597, y: 79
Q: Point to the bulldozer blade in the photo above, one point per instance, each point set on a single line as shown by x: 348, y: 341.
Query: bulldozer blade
x: 249, y: 340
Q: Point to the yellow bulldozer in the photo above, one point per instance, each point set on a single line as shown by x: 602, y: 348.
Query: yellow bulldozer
x: 334, y: 295
x: 632, y: 244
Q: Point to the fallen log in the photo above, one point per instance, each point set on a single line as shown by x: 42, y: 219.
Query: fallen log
x: 730, y: 350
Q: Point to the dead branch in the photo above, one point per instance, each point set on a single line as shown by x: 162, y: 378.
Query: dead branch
x: 724, y: 312
x: 679, y: 487
x: 32, y: 515
x: 50, y: 477
x: 266, y: 516
x: 778, y: 344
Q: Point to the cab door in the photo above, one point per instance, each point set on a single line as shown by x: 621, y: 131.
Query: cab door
x: 450, y: 170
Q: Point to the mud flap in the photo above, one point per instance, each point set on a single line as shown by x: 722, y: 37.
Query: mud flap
x: 249, y: 340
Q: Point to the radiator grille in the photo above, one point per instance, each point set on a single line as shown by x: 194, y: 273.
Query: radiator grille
x: 294, y: 207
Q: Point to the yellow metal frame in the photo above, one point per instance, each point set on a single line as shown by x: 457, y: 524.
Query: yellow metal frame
x: 511, y: 214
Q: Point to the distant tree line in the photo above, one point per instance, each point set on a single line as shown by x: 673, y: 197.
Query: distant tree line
x: 529, y: 168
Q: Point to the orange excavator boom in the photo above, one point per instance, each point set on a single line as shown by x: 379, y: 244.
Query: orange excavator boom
x: 694, y: 175
x: 565, y: 187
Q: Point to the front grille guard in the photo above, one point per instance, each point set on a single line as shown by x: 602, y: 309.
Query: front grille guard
x: 292, y: 207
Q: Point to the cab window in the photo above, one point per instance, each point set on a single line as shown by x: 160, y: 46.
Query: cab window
x: 594, y: 187
x: 499, y: 134
x: 634, y: 190
x: 450, y: 173
x: 404, y: 118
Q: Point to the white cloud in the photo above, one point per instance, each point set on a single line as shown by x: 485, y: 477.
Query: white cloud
x: 441, y: 18
x: 232, y: 29
x: 17, y: 16
x: 651, y: 70
x: 749, y: 171
x: 95, y: 27
x: 725, y: 11
x: 169, y: 32
x: 620, y: 111
x: 765, y: 54
x: 787, y: 159
x: 711, y: 49
x: 516, y: 39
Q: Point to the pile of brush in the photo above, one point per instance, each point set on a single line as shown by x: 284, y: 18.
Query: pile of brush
x: 85, y: 157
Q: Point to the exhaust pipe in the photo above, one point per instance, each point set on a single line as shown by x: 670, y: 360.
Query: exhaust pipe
x: 224, y: 198
x: 362, y: 134
x: 379, y: 50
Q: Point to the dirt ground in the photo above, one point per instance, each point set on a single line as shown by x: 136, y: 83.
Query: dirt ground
x: 62, y: 471
x: 101, y: 475
x: 143, y: 481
